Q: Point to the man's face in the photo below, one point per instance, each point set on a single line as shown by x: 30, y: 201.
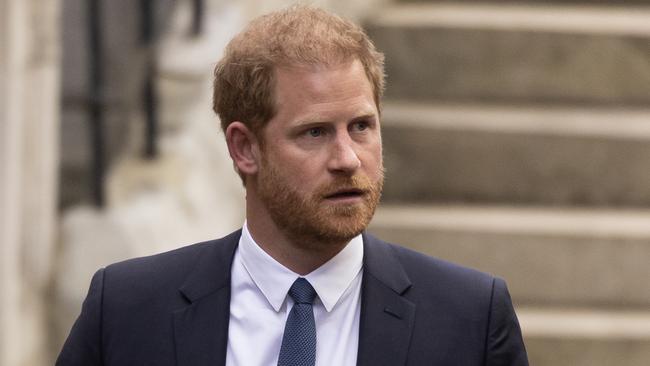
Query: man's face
x: 321, y: 172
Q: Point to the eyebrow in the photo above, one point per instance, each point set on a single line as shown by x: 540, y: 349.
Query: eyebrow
x: 316, y: 122
x: 365, y: 116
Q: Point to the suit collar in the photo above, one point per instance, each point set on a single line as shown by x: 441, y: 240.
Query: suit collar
x: 201, y: 328
x: 387, y: 317
x: 212, y: 272
x: 380, y: 261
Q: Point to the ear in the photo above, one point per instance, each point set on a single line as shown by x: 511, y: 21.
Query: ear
x: 243, y: 148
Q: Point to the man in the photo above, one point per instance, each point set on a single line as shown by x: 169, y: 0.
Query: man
x: 298, y: 96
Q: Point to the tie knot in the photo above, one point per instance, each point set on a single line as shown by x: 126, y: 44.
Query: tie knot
x: 301, y: 292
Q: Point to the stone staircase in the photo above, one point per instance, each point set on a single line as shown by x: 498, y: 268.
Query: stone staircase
x: 517, y: 141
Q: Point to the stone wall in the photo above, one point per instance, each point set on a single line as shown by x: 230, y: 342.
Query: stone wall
x: 29, y: 83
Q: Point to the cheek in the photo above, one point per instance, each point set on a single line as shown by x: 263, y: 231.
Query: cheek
x: 374, y: 159
x: 301, y: 173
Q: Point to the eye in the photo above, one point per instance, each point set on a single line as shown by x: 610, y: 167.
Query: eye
x: 360, y: 126
x: 315, y: 132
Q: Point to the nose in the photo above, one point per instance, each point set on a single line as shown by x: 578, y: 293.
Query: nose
x: 343, y: 156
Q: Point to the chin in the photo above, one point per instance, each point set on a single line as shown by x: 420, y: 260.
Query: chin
x: 342, y: 226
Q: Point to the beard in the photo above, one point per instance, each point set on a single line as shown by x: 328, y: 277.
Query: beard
x: 307, y: 218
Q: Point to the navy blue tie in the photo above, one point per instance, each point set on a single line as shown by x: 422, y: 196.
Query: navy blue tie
x: 299, y: 339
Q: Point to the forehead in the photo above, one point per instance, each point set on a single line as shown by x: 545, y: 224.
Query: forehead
x: 343, y: 86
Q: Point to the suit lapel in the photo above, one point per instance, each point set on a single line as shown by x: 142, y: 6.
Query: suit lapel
x: 201, y: 328
x: 387, y: 317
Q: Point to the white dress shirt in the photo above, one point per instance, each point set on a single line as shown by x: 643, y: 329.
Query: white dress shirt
x: 259, y: 305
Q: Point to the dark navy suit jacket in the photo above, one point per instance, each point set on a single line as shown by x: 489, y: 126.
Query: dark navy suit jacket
x: 173, y: 309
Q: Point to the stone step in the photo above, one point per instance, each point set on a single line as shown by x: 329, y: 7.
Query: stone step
x: 528, y: 53
x: 548, y: 256
x: 586, y: 337
x: 496, y: 154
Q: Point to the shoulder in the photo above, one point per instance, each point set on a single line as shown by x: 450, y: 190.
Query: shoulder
x: 417, y: 264
x: 168, y: 269
x: 430, y: 276
x: 468, y: 312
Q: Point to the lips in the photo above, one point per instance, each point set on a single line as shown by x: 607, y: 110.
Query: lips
x: 345, y: 193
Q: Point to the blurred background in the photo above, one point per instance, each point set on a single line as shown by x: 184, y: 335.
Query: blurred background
x: 516, y: 137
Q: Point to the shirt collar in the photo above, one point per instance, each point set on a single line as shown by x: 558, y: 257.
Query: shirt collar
x: 274, y: 280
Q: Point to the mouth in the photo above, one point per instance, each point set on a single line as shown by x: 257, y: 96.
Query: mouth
x: 345, y: 194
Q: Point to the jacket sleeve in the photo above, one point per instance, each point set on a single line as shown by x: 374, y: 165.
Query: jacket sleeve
x: 505, y: 346
x: 84, y: 343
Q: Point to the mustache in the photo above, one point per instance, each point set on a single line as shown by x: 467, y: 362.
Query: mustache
x: 355, y: 184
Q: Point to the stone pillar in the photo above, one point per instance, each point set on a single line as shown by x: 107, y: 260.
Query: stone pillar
x: 29, y: 70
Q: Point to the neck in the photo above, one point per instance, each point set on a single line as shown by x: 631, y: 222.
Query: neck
x: 301, y: 255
